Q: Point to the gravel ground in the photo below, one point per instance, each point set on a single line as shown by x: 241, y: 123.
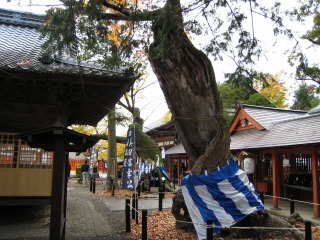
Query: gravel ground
x: 87, y: 218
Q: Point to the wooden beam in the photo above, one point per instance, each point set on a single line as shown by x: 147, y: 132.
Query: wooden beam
x: 164, y: 139
x: 276, y: 183
x: 106, y: 137
x: 71, y: 80
x: 288, y: 149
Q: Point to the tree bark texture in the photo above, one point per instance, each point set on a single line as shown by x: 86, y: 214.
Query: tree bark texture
x: 187, y: 80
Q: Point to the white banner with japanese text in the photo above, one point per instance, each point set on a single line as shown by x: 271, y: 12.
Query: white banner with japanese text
x: 127, y: 179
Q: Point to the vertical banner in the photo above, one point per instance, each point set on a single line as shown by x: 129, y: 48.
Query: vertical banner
x: 93, y: 150
x: 127, y: 180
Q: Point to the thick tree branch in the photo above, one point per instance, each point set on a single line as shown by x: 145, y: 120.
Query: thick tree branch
x: 313, y: 41
x: 117, y: 8
x: 308, y: 79
x: 125, y: 14
x: 113, y: 16
x: 124, y: 106
x: 105, y: 137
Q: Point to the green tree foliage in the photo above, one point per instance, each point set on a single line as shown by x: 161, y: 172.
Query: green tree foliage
x: 146, y: 148
x: 258, y: 99
x: 306, y: 68
x: 269, y: 92
x: 118, y: 32
x: 167, y: 117
x: 304, y: 98
x: 314, y: 34
x: 230, y: 100
x: 232, y: 96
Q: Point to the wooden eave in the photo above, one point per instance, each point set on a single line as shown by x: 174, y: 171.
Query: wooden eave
x: 31, y: 100
x: 45, y: 139
x: 39, y: 86
x: 243, y: 121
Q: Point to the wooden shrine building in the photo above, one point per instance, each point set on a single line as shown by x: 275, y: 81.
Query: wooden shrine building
x: 42, y: 93
x: 284, y: 146
x: 165, y: 136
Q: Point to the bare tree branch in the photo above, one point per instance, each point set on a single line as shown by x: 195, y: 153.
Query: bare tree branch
x: 125, y: 14
x: 308, y: 79
x: 313, y: 41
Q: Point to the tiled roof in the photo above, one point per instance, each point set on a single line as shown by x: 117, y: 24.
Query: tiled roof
x: 298, y: 131
x: 21, y: 49
x: 266, y: 116
x: 157, y: 125
x: 38, y: 88
x: 283, y: 128
x: 20, y: 18
x: 177, y: 149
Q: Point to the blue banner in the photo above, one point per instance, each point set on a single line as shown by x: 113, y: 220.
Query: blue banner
x: 224, y: 196
x: 127, y: 180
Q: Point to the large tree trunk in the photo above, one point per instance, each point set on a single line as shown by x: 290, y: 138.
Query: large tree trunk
x: 187, y: 80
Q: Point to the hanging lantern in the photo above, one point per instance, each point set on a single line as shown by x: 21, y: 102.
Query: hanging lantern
x: 249, y: 165
x: 286, y: 161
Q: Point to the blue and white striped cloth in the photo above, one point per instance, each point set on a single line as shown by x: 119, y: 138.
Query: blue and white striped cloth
x: 224, y: 196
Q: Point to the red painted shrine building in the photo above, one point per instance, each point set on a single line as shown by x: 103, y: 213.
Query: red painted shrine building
x: 284, y: 146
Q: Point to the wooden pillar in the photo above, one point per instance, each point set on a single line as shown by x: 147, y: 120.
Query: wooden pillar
x: 180, y: 164
x: 65, y: 186
x: 315, y: 185
x: 16, y: 145
x: 276, y: 181
x: 57, y: 222
x: 170, y: 168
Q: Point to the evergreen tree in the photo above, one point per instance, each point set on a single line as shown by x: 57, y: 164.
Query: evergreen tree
x: 304, y: 98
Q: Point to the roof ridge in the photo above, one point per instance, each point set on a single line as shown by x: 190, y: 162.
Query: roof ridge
x: 273, y: 108
x: 21, y: 18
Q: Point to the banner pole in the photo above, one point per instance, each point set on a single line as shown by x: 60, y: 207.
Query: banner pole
x: 134, y: 157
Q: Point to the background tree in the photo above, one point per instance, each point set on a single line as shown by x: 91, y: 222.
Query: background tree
x: 273, y: 89
x: 232, y: 96
x: 307, y: 69
x: 146, y: 148
x: 304, y: 98
x: 268, y: 92
x: 167, y: 117
x: 101, y: 132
